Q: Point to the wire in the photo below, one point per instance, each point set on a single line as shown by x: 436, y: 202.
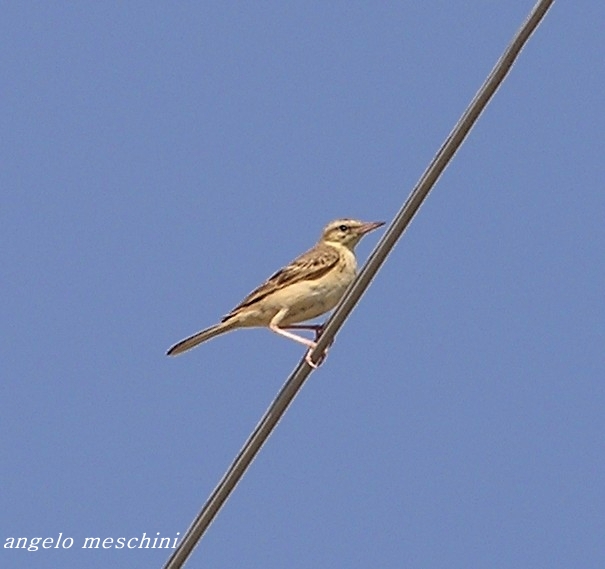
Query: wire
x: 296, y: 380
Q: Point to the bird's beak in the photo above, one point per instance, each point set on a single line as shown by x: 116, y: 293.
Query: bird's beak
x: 370, y: 226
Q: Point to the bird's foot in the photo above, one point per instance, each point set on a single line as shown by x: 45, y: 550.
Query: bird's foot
x: 313, y: 364
x: 321, y: 358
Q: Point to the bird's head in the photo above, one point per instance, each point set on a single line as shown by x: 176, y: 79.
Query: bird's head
x: 347, y: 232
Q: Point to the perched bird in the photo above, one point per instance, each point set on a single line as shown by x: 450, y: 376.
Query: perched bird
x: 309, y: 286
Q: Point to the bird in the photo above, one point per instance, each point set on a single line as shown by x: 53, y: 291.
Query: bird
x: 309, y: 286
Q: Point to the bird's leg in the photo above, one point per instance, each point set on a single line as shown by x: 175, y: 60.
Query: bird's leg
x: 317, y: 328
x: 274, y: 327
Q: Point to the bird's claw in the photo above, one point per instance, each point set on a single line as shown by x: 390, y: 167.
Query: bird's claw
x: 311, y: 362
x: 321, y: 358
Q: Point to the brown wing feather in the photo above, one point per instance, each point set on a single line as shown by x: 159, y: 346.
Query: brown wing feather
x: 309, y: 266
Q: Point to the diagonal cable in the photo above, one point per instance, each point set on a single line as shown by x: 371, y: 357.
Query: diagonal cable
x: 296, y: 380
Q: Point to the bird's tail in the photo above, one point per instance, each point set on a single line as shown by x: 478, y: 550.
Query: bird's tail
x: 202, y: 336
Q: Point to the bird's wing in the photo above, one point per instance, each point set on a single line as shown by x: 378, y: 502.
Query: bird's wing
x: 310, y: 266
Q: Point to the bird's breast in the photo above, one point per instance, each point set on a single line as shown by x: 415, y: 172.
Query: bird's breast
x: 309, y: 299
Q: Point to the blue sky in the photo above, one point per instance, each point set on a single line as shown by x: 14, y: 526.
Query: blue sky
x: 159, y: 161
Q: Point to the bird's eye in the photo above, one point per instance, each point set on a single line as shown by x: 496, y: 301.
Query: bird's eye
x: 344, y: 228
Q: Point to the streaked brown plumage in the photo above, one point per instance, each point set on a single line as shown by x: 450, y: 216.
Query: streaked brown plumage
x: 308, y: 287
